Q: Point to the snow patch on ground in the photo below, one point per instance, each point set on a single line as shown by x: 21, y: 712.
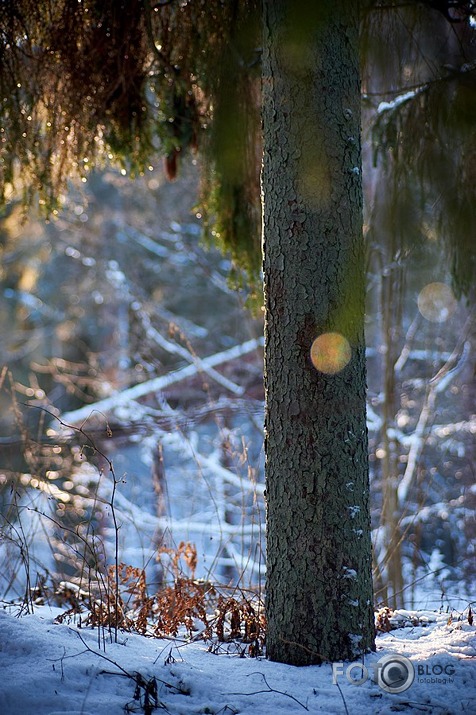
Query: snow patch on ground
x: 49, y: 668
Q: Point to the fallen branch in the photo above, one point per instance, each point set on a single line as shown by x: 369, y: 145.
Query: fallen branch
x: 160, y: 383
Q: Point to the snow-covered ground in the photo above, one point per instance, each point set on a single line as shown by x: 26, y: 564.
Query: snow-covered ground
x: 49, y: 668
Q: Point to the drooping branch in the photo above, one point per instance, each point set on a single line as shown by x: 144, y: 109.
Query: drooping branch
x: 83, y: 84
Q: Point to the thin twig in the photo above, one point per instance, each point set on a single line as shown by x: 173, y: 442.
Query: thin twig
x: 270, y: 690
x: 343, y: 699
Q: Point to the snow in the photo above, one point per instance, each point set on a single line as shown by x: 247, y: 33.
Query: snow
x: 400, y: 99
x: 159, y: 383
x: 53, y: 668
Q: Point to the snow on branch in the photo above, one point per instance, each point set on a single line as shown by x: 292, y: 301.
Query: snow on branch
x: 401, y: 99
x: 122, y: 398
x: 118, y: 279
x: 437, y: 384
x: 127, y: 511
x: 176, y: 349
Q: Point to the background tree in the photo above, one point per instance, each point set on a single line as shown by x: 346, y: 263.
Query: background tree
x: 418, y: 107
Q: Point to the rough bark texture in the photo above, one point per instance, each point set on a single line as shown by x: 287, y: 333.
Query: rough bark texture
x: 319, y: 592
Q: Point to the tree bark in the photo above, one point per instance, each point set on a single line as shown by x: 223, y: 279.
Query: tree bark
x: 319, y: 591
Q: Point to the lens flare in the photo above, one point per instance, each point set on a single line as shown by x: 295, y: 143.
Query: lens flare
x: 330, y: 353
x: 436, y: 302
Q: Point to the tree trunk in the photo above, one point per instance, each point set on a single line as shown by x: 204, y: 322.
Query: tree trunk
x: 319, y: 591
x: 392, y: 293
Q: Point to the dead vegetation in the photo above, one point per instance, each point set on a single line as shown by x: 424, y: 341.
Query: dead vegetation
x: 185, y: 607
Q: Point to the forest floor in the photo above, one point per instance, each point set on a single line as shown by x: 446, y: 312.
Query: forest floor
x: 51, y: 668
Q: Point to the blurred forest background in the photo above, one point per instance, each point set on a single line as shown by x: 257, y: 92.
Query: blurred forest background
x: 116, y: 291
x: 131, y: 372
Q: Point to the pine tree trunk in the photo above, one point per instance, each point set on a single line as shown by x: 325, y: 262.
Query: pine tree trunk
x: 319, y: 592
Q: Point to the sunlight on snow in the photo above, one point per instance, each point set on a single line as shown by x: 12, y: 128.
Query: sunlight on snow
x: 436, y: 302
x: 330, y: 353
